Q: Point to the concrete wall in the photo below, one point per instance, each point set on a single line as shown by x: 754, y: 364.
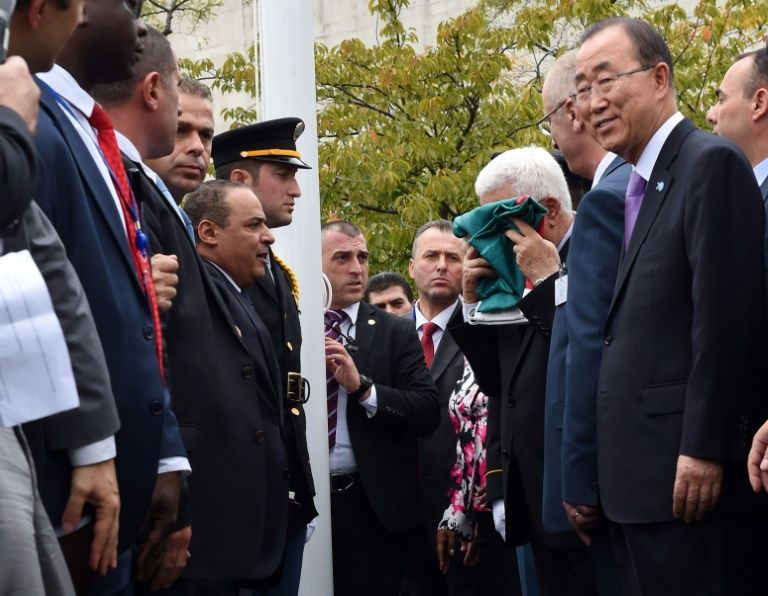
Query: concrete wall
x: 334, y: 20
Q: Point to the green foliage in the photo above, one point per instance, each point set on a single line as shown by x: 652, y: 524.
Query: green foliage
x: 164, y: 14
x: 404, y: 129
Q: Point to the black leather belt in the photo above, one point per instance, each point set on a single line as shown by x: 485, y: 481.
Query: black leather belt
x: 296, y: 389
x: 341, y: 481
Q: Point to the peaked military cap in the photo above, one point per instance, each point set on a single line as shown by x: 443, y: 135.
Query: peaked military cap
x: 271, y: 140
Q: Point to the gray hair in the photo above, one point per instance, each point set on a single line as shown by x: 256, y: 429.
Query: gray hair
x: 530, y: 171
x: 559, y: 79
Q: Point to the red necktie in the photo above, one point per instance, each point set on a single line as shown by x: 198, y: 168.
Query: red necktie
x: 137, y: 241
x: 427, y: 345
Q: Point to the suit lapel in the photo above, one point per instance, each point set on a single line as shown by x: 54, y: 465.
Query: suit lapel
x: 91, y: 178
x: 365, y: 329
x: 656, y: 192
x: 448, y: 348
x: 613, y: 166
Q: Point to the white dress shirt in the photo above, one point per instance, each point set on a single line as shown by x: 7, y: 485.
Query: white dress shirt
x: 650, y: 154
x: 342, y: 456
x: 441, y: 320
x: 761, y: 171
x: 601, y: 168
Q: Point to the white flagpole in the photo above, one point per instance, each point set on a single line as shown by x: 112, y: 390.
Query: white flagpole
x: 287, y: 76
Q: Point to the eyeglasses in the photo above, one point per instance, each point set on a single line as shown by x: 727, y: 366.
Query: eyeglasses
x: 545, y: 122
x: 604, y: 84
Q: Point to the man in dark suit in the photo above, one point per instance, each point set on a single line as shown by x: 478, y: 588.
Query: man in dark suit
x: 94, y: 217
x: 570, y: 451
x: 741, y: 114
x: 510, y: 365
x: 241, y: 483
x: 144, y: 112
x: 679, y: 388
x: 380, y: 399
x: 269, y: 169
x: 436, y: 269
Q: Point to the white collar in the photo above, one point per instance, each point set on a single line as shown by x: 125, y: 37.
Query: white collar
x: 440, y: 319
x: 602, y: 167
x: 650, y: 154
x: 65, y: 85
x: 351, y: 311
x: 761, y: 171
x: 567, y: 235
x: 227, y: 276
x: 127, y: 147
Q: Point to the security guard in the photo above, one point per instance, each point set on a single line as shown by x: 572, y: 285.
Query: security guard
x: 263, y: 156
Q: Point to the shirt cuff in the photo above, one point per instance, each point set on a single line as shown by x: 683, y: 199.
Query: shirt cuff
x: 93, y: 453
x: 371, y: 405
x: 174, y: 464
x: 468, y: 308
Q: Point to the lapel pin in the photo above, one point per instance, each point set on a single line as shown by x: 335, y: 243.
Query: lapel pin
x: 371, y: 322
x: 659, y: 186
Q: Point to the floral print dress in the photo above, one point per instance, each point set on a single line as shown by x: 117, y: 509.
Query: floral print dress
x: 468, y: 410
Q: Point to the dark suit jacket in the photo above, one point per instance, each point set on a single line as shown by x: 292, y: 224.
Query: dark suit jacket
x: 228, y: 486
x: 510, y: 366
x: 78, y: 203
x: 570, y: 458
x: 253, y: 465
x: 437, y: 452
x: 389, y: 352
x: 280, y: 314
x: 684, y: 342
x: 17, y: 168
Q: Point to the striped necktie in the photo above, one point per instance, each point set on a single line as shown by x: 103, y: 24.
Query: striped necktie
x: 333, y: 321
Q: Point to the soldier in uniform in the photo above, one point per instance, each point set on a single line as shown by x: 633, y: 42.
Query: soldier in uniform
x: 263, y: 157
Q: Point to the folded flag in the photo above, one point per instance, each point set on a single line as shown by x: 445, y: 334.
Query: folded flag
x: 484, y: 229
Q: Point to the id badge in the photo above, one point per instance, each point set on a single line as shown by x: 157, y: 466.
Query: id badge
x: 561, y: 290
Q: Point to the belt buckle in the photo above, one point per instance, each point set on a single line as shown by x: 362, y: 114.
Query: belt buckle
x: 348, y: 478
x: 294, y: 389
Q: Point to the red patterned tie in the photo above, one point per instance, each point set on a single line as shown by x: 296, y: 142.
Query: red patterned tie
x: 137, y: 242
x: 427, y: 345
x: 333, y: 321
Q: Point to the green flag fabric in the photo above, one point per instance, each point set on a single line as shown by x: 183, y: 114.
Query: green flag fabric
x: 484, y: 229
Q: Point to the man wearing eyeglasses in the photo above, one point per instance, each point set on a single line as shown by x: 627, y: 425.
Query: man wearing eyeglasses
x: 676, y: 399
x: 570, y: 459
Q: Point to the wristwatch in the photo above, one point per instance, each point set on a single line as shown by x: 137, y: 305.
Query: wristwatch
x: 365, y: 384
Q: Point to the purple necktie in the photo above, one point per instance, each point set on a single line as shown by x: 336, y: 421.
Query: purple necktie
x: 634, y: 198
x: 333, y: 320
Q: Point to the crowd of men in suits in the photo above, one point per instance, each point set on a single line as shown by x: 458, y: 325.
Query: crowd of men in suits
x: 622, y: 403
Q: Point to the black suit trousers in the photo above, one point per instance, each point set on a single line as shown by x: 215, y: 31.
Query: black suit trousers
x: 367, y: 559
x: 720, y: 556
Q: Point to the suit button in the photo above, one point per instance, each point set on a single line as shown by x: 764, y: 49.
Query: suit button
x: 505, y: 454
x: 594, y: 486
x: 608, y: 339
x: 155, y: 408
x: 246, y: 372
x: 289, y: 345
x: 259, y: 436
x: 511, y: 402
x: 286, y: 473
x: 148, y: 332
